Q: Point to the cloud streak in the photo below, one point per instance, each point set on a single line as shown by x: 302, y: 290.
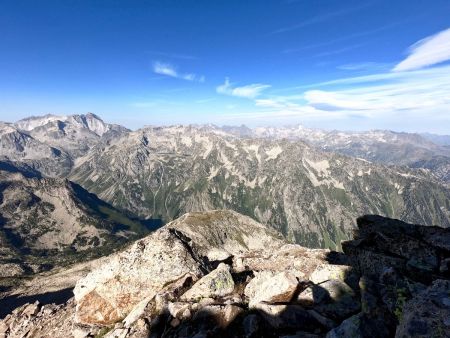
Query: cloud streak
x: 383, y: 96
x: 320, y: 18
x: 169, y: 70
x: 427, y: 52
x: 364, y: 66
x: 249, y: 91
x: 340, y: 39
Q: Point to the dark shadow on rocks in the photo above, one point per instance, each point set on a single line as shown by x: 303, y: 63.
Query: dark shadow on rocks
x: 390, y: 264
x: 10, y: 303
x: 285, y: 319
x: 17, y: 167
x: 396, y: 263
x: 254, y: 323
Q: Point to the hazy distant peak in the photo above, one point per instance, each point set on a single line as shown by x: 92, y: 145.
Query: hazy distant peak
x: 89, y: 121
x: 29, y: 123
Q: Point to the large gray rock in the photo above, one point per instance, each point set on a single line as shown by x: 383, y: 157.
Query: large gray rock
x: 220, y: 234
x: 217, y: 283
x: 349, y: 328
x: 179, y: 250
x: 361, y: 326
x: 299, y: 261
x: 413, y: 250
x: 333, y: 299
x: 109, y: 293
x: 427, y: 314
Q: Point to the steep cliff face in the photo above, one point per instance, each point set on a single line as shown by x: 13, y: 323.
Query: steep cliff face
x: 50, y: 144
x: 19, y: 146
x: 74, y: 134
x: 221, y: 274
x: 45, y: 221
x: 311, y: 196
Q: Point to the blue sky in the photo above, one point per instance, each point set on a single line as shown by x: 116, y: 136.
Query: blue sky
x: 322, y: 63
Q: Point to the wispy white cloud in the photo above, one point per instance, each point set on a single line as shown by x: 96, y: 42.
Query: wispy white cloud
x: 401, y: 94
x: 164, y: 69
x: 427, y: 52
x: 321, y: 18
x: 167, y: 69
x: 422, y: 94
x: 340, y: 39
x: 428, y: 74
x: 249, y: 91
x: 365, y: 66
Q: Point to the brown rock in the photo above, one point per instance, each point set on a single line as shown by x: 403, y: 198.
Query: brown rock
x: 31, y: 309
x: 109, y: 293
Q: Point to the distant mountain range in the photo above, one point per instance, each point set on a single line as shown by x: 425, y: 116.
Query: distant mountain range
x: 309, y: 184
x: 51, y: 143
x: 443, y: 140
x: 427, y: 151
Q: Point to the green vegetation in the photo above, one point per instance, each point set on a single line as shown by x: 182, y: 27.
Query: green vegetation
x: 402, y: 297
x: 103, y: 331
x: 115, y: 216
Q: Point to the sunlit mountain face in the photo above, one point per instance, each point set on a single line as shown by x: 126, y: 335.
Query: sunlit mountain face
x: 309, y: 184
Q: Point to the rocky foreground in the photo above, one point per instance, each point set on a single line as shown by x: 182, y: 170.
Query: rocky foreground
x: 221, y: 274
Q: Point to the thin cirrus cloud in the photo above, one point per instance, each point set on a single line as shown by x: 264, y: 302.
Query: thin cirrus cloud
x: 341, y: 38
x: 169, y: 70
x: 427, y: 52
x: 390, y: 92
x: 250, y: 91
x: 364, y: 66
x: 320, y: 18
x: 422, y: 93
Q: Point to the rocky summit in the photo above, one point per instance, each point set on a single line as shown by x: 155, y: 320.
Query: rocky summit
x: 221, y: 274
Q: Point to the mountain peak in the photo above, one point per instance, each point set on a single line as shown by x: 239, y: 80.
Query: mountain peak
x: 90, y: 121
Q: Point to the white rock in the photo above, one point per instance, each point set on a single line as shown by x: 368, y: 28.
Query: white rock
x: 328, y: 271
x: 136, y: 313
x: 271, y: 288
